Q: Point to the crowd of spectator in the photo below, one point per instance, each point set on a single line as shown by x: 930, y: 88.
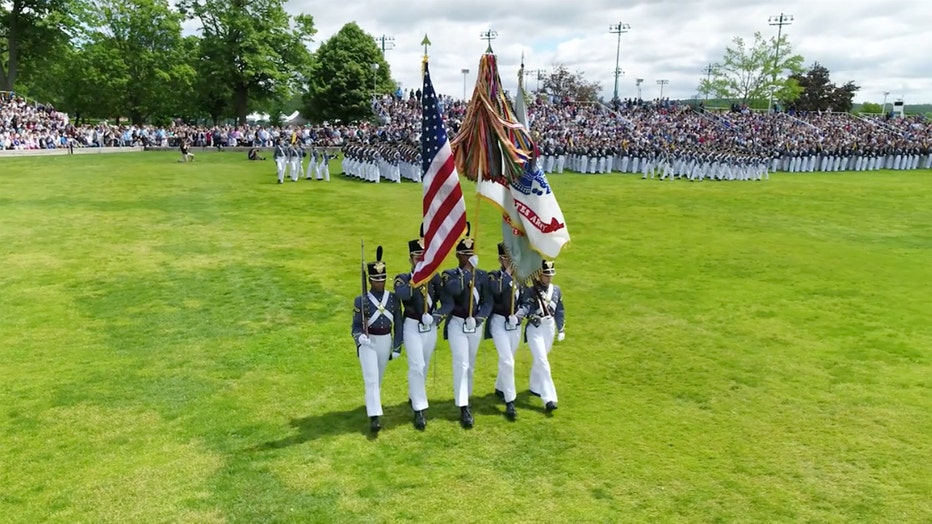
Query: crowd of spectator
x: 628, y: 128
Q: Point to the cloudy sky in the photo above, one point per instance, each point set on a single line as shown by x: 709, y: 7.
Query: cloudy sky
x: 882, y: 46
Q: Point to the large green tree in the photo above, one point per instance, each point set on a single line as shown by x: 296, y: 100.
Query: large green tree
x: 251, y: 49
x: 137, y: 46
x: 820, y: 94
x: 347, y: 71
x: 32, y: 31
x: 750, y: 73
x: 561, y: 82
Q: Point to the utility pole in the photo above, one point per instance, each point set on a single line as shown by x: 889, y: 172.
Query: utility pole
x: 465, y: 72
x: 488, y: 36
x: 386, y: 42
x: 618, y: 29
x: 778, y: 21
x: 708, y: 81
x: 662, y: 83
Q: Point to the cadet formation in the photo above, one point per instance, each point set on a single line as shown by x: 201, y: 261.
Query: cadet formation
x: 467, y: 305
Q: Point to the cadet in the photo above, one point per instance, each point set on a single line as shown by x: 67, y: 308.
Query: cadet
x: 503, y: 328
x: 279, y: 156
x: 544, y: 303
x: 377, y: 335
x: 420, y: 330
x: 465, y: 296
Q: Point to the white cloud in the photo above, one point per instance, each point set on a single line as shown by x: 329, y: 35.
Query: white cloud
x: 881, y: 46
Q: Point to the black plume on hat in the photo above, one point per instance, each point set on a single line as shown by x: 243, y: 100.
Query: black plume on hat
x: 466, y: 245
x: 376, y: 269
x: 416, y: 246
x: 502, y: 252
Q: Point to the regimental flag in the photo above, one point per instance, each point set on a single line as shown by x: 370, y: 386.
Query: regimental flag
x: 495, y: 149
x: 444, y: 207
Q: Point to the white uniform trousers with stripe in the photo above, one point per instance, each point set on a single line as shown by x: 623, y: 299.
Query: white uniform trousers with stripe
x: 419, y: 347
x: 372, y: 359
x: 540, y: 341
x: 463, y: 348
x: 506, y: 343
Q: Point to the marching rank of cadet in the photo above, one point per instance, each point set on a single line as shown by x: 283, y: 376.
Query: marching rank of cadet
x: 468, y: 305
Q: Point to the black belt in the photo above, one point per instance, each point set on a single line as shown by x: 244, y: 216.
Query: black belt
x: 380, y: 331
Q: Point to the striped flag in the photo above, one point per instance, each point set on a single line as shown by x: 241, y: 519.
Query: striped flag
x: 444, y: 207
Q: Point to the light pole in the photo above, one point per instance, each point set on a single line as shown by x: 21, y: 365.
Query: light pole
x: 386, y: 42
x: 883, y: 111
x: 778, y: 21
x: 375, y: 76
x: 465, y: 72
x: 618, y: 29
x: 637, y: 84
x: 538, y: 74
x: 488, y: 36
x: 662, y: 83
x: 708, y: 81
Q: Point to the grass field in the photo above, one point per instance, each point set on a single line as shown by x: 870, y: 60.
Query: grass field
x: 174, y: 347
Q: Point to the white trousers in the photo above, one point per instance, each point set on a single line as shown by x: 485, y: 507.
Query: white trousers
x: 373, y: 359
x: 419, y: 347
x: 540, y: 341
x: 463, y: 349
x: 506, y: 343
x: 280, y: 168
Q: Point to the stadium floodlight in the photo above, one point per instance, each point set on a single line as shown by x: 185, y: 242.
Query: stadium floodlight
x: 387, y: 43
x: 662, y: 83
x: 618, y: 29
x: 883, y: 110
x: 637, y: 83
x: 778, y: 21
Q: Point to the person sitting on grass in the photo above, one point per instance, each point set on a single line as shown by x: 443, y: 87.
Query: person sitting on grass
x: 254, y: 154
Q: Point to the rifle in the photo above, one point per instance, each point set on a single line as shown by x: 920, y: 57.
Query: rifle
x: 365, y: 291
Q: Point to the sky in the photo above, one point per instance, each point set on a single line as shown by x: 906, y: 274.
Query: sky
x: 881, y: 46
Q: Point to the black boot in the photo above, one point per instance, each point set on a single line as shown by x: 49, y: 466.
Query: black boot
x: 466, y: 417
x: 551, y: 406
x: 374, y: 424
x: 420, y: 421
x: 510, y: 412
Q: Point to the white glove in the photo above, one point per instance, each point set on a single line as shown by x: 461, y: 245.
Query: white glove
x: 470, y: 324
x: 363, y: 340
x: 560, y: 336
x: 474, y: 261
x: 512, y: 321
x: 427, y: 319
x: 395, y: 354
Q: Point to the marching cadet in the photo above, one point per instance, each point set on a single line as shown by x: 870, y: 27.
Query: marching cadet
x: 420, y: 329
x: 466, y: 297
x: 544, y: 304
x: 503, y: 325
x: 295, y: 155
x: 279, y: 156
x: 311, y: 164
x: 376, y: 317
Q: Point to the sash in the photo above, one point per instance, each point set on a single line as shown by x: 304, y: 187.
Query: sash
x: 379, y: 309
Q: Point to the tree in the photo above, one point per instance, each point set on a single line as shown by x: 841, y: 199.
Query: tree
x: 820, y: 94
x: 561, y: 82
x: 750, y: 74
x: 343, y: 80
x: 252, y: 48
x: 31, y: 30
x: 138, y: 44
x: 871, y: 108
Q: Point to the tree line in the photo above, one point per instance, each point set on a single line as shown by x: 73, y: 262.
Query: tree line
x: 130, y: 59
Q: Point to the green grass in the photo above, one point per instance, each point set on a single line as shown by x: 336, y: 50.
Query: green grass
x: 174, y: 347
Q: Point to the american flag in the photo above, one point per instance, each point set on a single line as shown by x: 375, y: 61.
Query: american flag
x: 444, y: 207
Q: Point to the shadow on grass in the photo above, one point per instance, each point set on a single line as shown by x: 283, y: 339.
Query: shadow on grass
x: 352, y: 421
